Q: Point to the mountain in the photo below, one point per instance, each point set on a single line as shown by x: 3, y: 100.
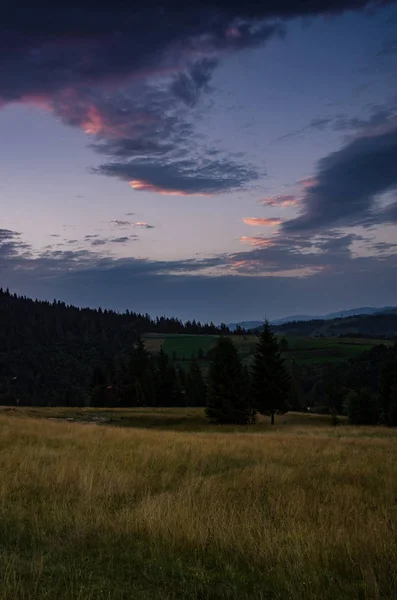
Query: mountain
x: 382, y: 324
x: 362, y: 310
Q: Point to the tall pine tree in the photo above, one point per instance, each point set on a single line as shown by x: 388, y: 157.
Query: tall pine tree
x: 270, y: 380
x: 196, y: 389
x: 227, y: 400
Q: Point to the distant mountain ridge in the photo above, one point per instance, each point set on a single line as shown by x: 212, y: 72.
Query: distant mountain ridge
x: 352, y: 312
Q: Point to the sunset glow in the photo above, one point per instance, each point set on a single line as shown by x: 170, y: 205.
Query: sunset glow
x: 262, y: 221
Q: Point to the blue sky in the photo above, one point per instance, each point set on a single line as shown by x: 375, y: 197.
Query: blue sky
x: 264, y: 165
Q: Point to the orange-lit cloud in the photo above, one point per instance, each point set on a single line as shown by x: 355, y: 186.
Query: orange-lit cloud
x: 37, y: 100
x: 247, y: 266
x: 93, y: 123
x: 144, y: 186
x: 257, y: 241
x: 282, y: 201
x: 262, y: 222
x: 143, y: 224
x: 308, y: 182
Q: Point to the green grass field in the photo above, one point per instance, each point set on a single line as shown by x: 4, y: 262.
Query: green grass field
x: 188, y: 511
x: 300, y: 349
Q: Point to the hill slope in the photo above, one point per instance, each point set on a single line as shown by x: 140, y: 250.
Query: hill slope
x: 363, y: 310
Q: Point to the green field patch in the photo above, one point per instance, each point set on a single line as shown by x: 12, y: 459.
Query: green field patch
x: 186, y: 347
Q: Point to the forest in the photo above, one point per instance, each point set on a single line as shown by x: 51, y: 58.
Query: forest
x: 52, y: 354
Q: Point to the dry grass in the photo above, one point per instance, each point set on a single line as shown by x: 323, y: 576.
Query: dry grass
x: 304, y: 511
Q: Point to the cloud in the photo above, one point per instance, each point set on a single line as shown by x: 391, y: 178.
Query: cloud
x: 182, y: 177
x: 280, y: 201
x: 256, y: 241
x: 11, y: 244
x: 188, y: 86
x: 143, y: 225
x: 124, y: 239
x: 262, y: 221
x: 307, y: 182
x: 347, y: 185
x: 120, y: 223
x: 132, y: 77
x: 318, y: 124
x: 380, y: 119
x: 330, y: 278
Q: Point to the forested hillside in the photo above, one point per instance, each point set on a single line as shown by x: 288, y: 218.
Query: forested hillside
x: 378, y: 325
x: 51, y: 353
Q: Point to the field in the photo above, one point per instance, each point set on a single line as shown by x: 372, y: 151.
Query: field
x: 184, y: 510
x: 303, y: 350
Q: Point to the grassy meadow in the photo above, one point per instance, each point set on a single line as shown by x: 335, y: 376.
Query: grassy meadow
x: 169, y: 507
x: 303, y: 350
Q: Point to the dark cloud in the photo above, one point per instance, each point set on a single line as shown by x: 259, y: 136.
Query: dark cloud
x: 326, y: 276
x: 297, y: 253
x: 347, y: 184
x: 378, y: 116
x: 120, y: 223
x: 178, y: 288
x: 124, y: 239
x: 189, y: 85
x: 319, y: 124
x: 11, y: 244
x: 130, y: 74
x: 184, y: 177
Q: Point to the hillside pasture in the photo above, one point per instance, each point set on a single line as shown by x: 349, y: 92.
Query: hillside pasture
x: 302, y: 350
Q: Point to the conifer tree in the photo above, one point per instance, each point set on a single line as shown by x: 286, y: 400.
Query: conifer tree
x: 388, y: 393
x: 361, y: 408
x: 227, y: 399
x: 135, y: 380
x: 165, y: 383
x: 196, y: 389
x: 270, y: 381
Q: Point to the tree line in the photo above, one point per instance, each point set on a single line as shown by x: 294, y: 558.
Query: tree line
x: 56, y: 355
x: 50, y: 352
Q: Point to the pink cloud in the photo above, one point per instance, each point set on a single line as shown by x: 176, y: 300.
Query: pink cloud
x: 256, y: 241
x: 307, y: 182
x: 287, y: 200
x: 262, y: 222
x: 37, y: 100
x: 144, y: 186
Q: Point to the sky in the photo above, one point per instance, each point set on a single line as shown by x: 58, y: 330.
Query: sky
x: 214, y: 160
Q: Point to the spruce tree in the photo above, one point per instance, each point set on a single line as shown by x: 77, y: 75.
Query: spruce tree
x: 388, y: 393
x: 165, y: 383
x: 227, y: 401
x: 135, y: 379
x: 361, y: 408
x: 196, y: 389
x: 270, y: 381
